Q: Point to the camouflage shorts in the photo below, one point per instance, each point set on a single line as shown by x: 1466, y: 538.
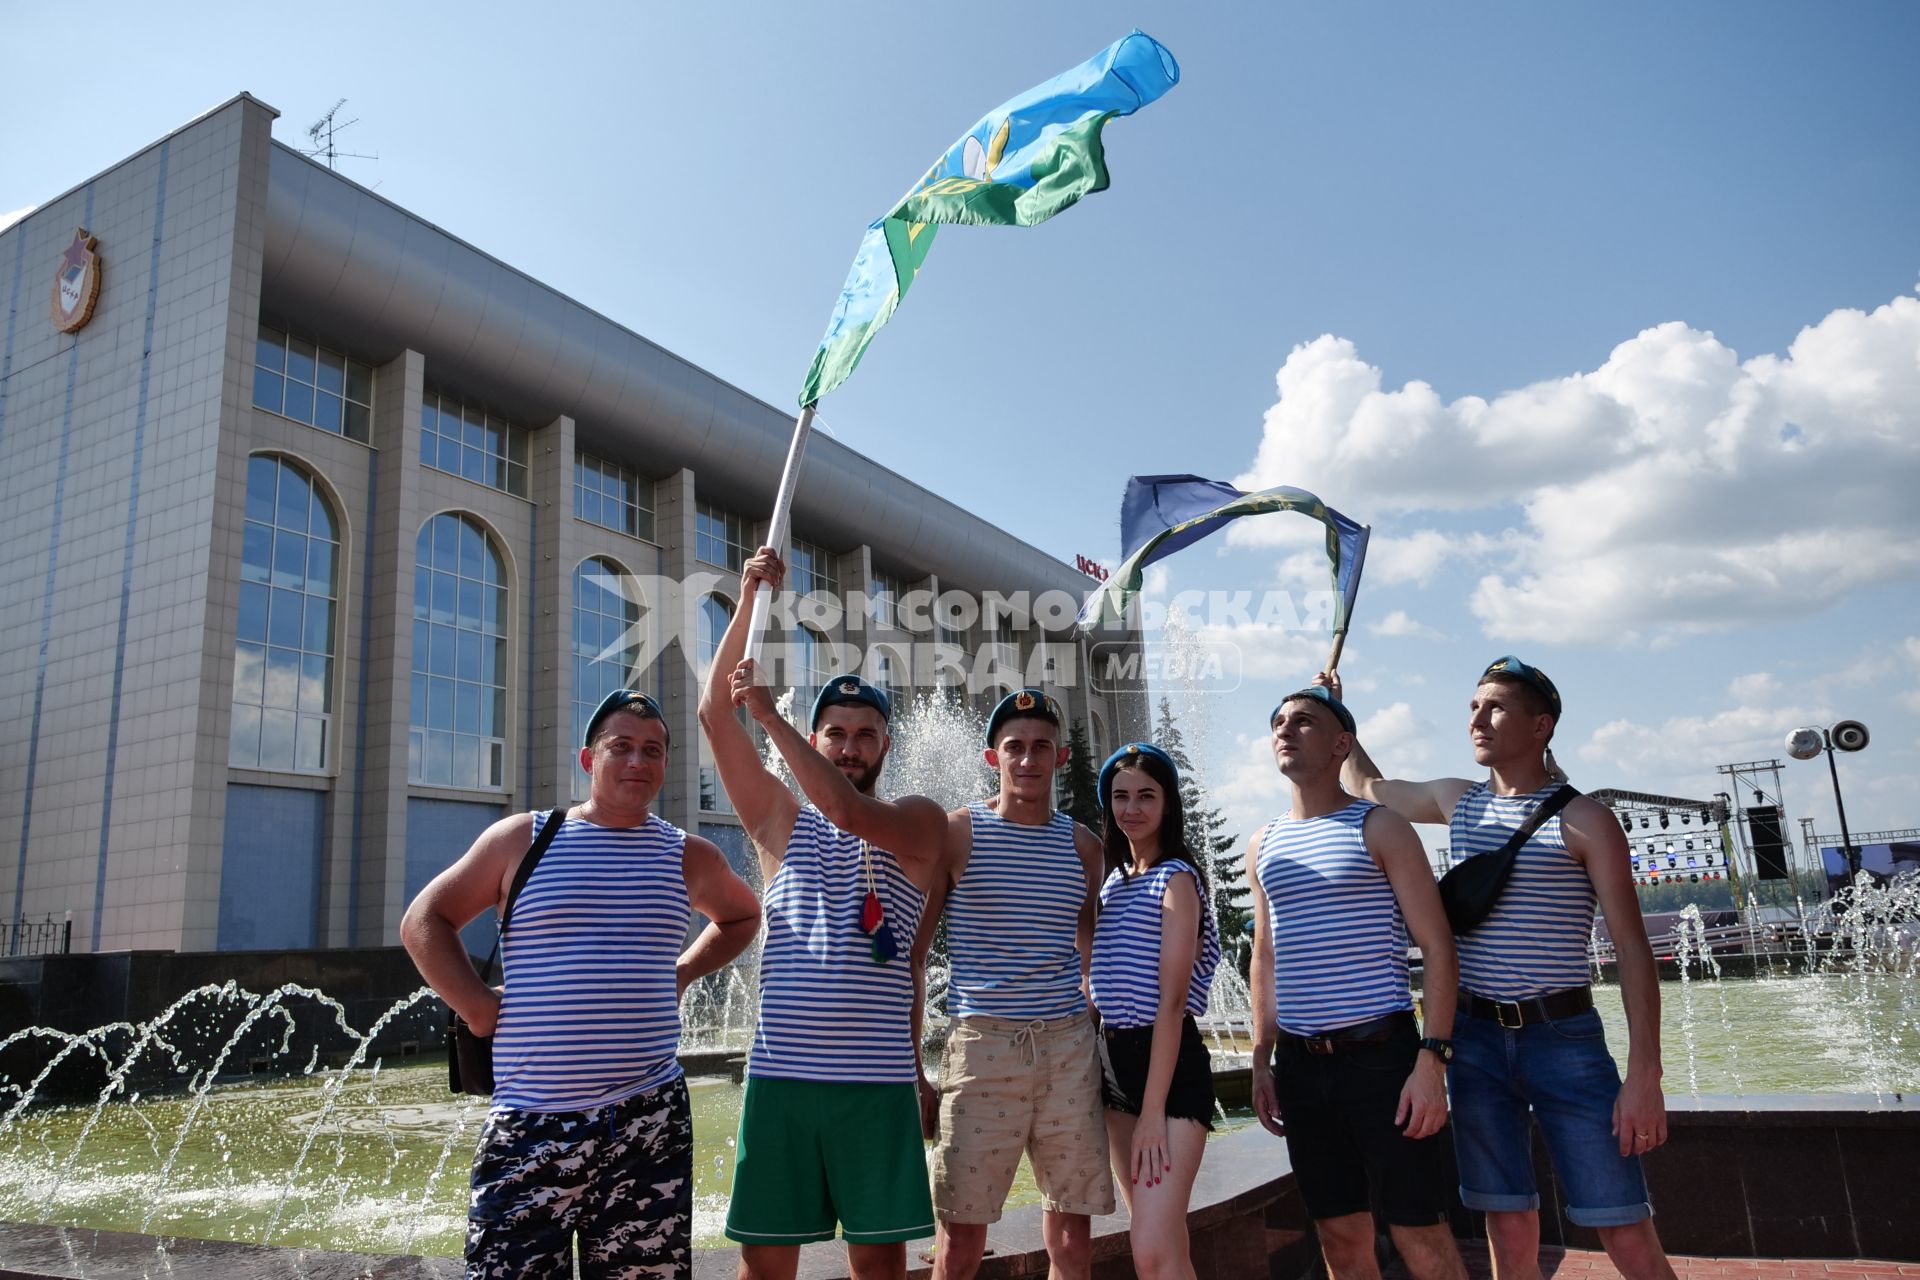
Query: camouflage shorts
x: 620, y: 1177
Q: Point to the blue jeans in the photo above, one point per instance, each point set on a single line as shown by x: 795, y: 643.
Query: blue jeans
x: 1559, y: 1070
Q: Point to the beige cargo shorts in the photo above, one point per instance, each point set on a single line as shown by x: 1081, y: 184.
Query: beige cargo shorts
x: 1008, y: 1087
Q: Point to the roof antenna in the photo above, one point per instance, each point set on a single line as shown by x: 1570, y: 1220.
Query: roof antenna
x: 322, y: 133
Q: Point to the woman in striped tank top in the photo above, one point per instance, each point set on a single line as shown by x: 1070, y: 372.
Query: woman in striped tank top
x: 1155, y: 948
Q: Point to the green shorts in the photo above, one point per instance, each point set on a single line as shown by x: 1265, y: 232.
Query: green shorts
x: 813, y: 1154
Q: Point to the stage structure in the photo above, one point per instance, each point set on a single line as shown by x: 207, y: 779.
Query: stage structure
x: 1674, y: 839
x: 1765, y: 844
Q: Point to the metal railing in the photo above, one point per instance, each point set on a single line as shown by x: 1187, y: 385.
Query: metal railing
x: 38, y: 937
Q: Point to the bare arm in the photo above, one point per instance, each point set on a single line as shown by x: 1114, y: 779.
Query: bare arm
x: 1093, y: 863
x: 1397, y: 851
x: 922, y: 948
x: 1179, y: 939
x: 1593, y: 835
x: 766, y: 807
x: 1415, y: 801
x: 912, y: 828
x: 1266, y: 1029
x: 732, y: 912
x: 430, y: 930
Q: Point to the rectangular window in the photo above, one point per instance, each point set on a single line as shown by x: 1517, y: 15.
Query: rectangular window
x: 465, y: 441
x: 812, y: 570
x: 719, y: 537
x: 306, y: 382
x: 612, y: 496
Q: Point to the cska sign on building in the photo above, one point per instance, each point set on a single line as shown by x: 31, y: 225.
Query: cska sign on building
x: 76, y: 286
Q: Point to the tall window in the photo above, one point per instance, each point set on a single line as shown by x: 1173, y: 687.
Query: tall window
x: 809, y: 668
x: 606, y: 645
x: 308, y: 383
x: 812, y: 570
x: 882, y: 675
x: 467, y: 442
x: 883, y: 601
x: 459, y: 719
x: 719, y: 536
x: 612, y: 496
x: 715, y: 614
x: 283, y: 647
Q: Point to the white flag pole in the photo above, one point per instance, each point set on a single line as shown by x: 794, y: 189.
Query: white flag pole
x: 777, y: 527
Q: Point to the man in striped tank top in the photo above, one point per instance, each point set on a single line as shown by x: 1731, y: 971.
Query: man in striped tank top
x: 1021, y: 1071
x: 1529, y: 1038
x: 590, y: 1137
x: 1338, y: 884
x: 830, y: 1133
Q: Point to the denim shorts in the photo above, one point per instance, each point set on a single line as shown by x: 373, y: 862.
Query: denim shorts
x: 1562, y: 1072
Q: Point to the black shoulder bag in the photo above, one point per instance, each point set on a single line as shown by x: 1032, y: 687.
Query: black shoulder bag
x: 469, y: 1055
x: 1471, y: 889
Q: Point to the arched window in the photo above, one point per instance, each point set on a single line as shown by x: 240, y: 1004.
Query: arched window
x: 883, y: 674
x: 715, y: 614
x: 458, y: 725
x: 283, y: 644
x: 808, y: 668
x: 606, y: 644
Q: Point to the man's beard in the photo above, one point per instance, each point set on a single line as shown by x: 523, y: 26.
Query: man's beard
x: 866, y: 778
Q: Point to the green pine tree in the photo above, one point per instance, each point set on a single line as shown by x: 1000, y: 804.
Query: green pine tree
x: 1080, y: 786
x: 1207, y: 836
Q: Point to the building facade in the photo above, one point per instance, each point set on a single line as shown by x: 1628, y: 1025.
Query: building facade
x: 324, y: 530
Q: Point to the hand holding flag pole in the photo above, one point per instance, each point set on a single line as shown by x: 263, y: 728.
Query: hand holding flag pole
x: 1023, y: 162
x: 1160, y: 515
x: 777, y: 527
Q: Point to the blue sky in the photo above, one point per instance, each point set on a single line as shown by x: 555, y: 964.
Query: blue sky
x: 1562, y: 299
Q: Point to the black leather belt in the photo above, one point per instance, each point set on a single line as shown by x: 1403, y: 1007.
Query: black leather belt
x: 1515, y: 1014
x: 1360, y: 1035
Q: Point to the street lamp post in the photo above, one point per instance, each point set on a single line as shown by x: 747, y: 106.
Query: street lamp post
x: 1808, y: 742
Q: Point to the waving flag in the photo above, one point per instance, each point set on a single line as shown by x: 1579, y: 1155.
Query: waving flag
x: 1162, y: 514
x: 1025, y: 161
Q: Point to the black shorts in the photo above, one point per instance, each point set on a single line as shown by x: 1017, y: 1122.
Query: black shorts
x: 1129, y: 1054
x: 1338, y: 1112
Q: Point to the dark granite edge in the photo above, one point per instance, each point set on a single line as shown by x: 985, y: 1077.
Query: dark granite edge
x: 1774, y: 1111
x: 32, y: 1251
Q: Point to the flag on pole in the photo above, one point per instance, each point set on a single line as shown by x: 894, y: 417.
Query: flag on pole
x: 1025, y: 161
x: 1162, y: 514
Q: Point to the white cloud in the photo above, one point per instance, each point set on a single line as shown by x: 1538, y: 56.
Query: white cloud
x: 1760, y: 686
x: 1399, y: 624
x: 1673, y: 489
x: 1685, y: 750
x: 1397, y: 739
x: 8, y: 219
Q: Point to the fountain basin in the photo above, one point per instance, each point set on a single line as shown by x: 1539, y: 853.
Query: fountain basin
x: 1741, y: 1177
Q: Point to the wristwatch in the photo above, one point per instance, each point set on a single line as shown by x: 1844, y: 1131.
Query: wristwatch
x: 1443, y: 1049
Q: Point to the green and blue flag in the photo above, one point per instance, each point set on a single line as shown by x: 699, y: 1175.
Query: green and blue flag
x: 1025, y: 161
x: 1163, y: 514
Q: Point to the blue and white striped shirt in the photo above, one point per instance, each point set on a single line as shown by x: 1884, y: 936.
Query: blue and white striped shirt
x: 828, y: 1011
x: 1339, y: 940
x: 1012, y: 921
x: 1126, y: 945
x: 1535, y: 939
x: 592, y: 1014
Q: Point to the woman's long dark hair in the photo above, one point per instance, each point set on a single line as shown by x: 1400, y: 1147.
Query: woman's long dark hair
x: 1173, y: 825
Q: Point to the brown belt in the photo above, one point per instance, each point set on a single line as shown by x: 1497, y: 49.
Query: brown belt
x: 1515, y: 1014
x: 1360, y: 1035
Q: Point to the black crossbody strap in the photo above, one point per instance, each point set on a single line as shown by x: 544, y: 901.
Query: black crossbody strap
x: 1553, y: 804
x: 521, y: 875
